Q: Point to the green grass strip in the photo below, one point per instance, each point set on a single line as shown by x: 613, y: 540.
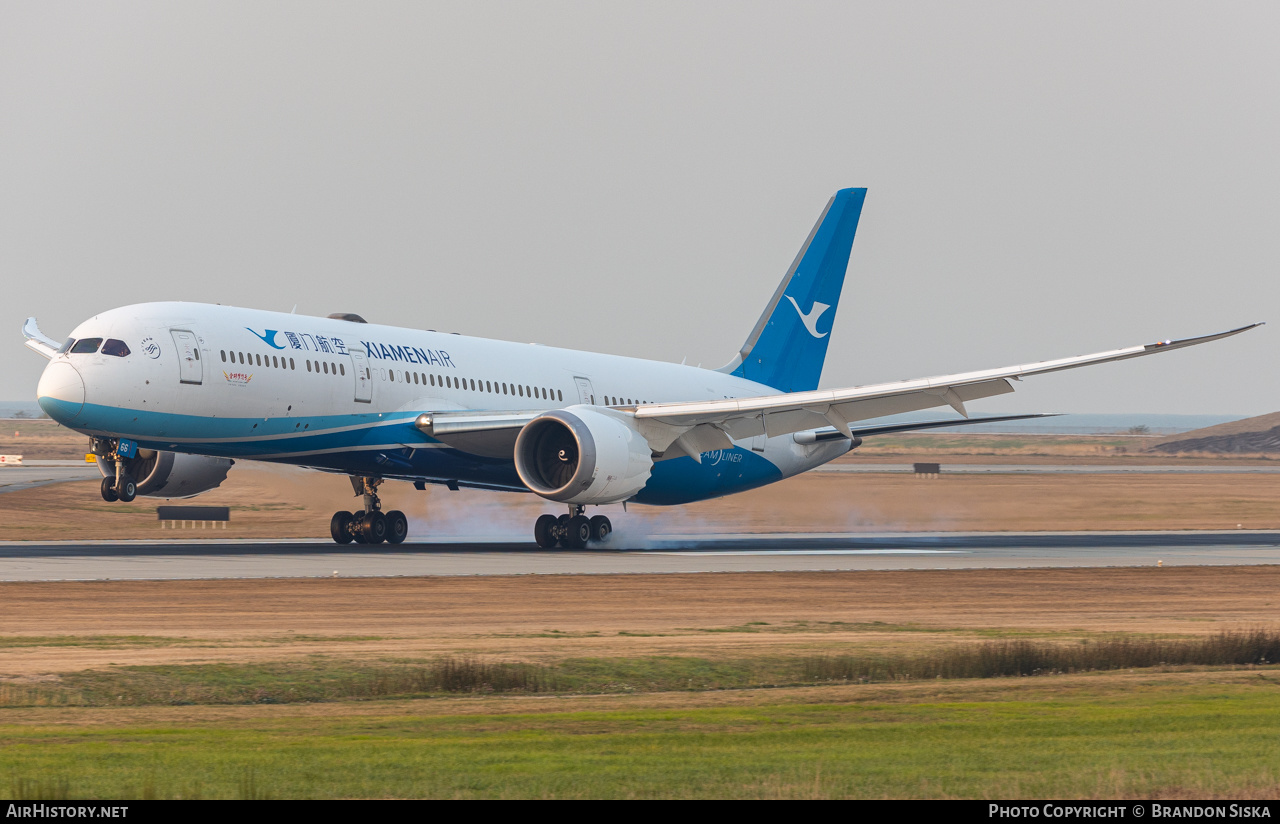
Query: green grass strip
x: 1153, y: 740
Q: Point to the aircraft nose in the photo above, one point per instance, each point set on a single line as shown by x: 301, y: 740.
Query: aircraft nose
x: 60, y: 392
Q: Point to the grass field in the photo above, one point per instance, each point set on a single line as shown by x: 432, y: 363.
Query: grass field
x: 788, y: 685
x: 1162, y: 735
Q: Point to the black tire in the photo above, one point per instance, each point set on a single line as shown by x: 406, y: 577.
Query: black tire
x: 340, y: 527
x: 397, y: 527
x: 109, y: 491
x: 579, y: 532
x: 128, y: 489
x: 374, y: 527
x: 543, y: 532
x: 601, y: 529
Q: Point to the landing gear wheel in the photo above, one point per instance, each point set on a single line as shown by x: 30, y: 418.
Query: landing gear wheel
x: 128, y: 489
x: 109, y: 491
x: 374, y: 527
x: 397, y: 526
x: 340, y: 527
x: 579, y: 532
x: 357, y: 527
x: 601, y: 528
x: 544, y: 531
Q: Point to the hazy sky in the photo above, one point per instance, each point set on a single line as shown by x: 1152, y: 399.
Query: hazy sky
x: 1046, y: 179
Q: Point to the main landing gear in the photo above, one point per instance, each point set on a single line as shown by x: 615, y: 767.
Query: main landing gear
x: 117, y: 486
x: 572, y: 531
x: 370, y: 525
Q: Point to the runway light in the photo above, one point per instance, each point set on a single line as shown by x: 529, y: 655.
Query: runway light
x: 1160, y: 562
x: 335, y: 573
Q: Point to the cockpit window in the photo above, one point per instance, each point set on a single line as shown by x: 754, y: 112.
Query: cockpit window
x: 62, y: 350
x: 86, y: 346
x: 115, y: 347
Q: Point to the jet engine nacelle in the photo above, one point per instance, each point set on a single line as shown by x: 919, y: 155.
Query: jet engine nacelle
x: 171, y: 474
x: 583, y: 455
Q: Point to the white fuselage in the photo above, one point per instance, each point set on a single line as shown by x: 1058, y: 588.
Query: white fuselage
x: 342, y: 395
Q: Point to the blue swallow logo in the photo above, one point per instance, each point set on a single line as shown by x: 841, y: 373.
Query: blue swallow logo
x: 810, y: 320
x: 268, y: 337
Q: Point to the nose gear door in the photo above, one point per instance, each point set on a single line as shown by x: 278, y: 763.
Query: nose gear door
x: 191, y: 370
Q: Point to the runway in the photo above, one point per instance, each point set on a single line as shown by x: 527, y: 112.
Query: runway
x: 40, y: 473
x: 187, y: 559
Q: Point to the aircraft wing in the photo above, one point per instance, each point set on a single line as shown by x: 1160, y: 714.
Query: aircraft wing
x: 37, y: 341
x: 690, y: 428
x: 693, y: 427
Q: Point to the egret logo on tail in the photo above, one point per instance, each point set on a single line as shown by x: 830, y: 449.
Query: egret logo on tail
x: 810, y: 320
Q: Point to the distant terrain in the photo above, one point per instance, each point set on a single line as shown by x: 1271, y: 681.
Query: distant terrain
x: 1252, y: 436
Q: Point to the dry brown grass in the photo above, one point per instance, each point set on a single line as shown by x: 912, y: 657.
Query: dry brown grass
x: 541, y: 618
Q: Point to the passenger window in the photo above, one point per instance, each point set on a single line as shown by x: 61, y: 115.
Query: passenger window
x: 520, y: 389
x: 87, y: 346
x: 116, y: 348
x: 291, y: 366
x: 241, y: 354
x: 66, y: 347
x: 224, y: 355
x: 433, y: 379
x: 560, y: 394
x: 473, y: 385
x: 308, y: 366
x: 326, y: 368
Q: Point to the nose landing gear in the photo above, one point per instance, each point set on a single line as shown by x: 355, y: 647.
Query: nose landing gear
x: 371, y: 525
x: 118, y: 486
x: 572, y: 531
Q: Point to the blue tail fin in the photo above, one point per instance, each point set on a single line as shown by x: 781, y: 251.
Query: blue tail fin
x: 788, y: 345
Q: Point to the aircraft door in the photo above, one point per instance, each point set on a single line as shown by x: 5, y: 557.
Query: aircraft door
x: 364, y: 386
x: 191, y: 370
x: 585, y: 393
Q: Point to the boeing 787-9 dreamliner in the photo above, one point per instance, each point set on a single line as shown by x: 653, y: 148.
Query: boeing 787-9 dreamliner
x: 170, y: 394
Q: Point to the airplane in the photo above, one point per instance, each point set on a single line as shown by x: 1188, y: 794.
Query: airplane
x: 172, y: 393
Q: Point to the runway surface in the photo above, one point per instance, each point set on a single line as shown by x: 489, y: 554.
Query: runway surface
x: 187, y: 559
x: 39, y: 473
